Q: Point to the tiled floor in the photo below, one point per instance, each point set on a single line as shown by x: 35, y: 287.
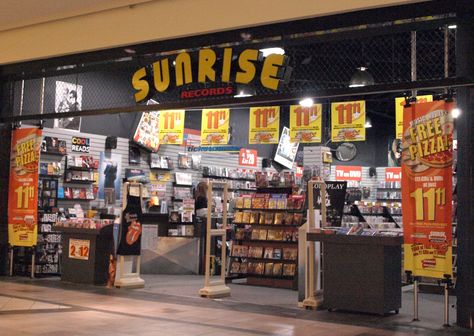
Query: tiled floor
x: 171, y: 306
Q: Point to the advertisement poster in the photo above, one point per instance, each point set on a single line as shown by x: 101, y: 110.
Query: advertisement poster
x: 147, y: 131
x: 110, y: 172
x: 286, y: 150
x: 248, y: 157
x: 427, y: 158
x: 131, y: 226
x: 399, y: 105
x: 68, y: 98
x: 335, y: 198
x: 348, y: 121
x: 215, y: 126
x: 171, y: 127
x: 348, y: 173
x: 264, y: 125
x: 23, y: 187
x: 305, y: 123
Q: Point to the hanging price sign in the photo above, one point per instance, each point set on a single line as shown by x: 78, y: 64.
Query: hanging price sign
x: 215, y: 126
x: 264, y: 125
x: 248, y: 157
x: 427, y: 158
x: 23, y: 187
x: 348, y: 173
x: 171, y: 127
x: 79, y: 249
x: 399, y: 105
x: 305, y: 123
x: 348, y: 121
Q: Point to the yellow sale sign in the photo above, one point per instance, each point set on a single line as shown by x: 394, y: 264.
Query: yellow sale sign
x: 264, y: 125
x: 348, y: 121
x: 305, y: 123
x: 171, y: 127
x: 215, y: 126
x: 399, y: 105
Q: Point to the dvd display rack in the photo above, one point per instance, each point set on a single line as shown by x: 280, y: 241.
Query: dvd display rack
x: 265, y: 247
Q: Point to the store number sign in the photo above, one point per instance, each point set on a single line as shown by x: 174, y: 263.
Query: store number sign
x: 248, y: 157
x: 79, y: 249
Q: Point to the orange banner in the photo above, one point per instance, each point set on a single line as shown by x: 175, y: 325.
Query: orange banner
x: 23, y: 187
x: 427, y: 188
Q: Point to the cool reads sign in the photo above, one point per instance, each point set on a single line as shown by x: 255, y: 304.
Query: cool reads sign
x: 209, y: 66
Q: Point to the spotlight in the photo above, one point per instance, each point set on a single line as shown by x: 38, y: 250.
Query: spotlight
x: 368, y: 122
x: 361, y: 78
x: 269, y: 51
x: 456, y: 112
x: 306, y: 102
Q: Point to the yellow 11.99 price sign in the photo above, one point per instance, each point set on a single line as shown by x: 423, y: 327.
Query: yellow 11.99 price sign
x: 431, y: 197
x: 24, y: 195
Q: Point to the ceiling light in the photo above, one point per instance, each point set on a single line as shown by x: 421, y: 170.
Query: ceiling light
x: 307, y: 102
x: 269, y: 51
x: 129, y: 51
x: 361, y: 78
x: 245, y: 91
x: 453, y: 26
x: 456, y: 112
x: 368, y: 122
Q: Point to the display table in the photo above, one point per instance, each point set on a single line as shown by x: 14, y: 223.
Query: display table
x: 361, y: 273
x: 86, y: 254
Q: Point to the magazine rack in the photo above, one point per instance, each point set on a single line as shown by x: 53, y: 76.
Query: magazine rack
x: 311, y: 301
x: 125, y: 277
x: 213, y: 289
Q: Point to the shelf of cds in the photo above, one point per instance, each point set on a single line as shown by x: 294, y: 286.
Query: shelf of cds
x: 265, y: 245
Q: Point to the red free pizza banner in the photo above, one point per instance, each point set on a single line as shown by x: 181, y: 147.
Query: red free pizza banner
x: 427, y: 174
x: 23, y: 187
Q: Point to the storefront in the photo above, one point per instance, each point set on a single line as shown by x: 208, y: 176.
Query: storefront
x: 172, y: 114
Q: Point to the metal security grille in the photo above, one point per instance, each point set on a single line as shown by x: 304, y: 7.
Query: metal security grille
x: 320, y: 61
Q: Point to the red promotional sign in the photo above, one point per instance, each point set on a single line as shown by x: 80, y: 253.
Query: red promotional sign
x: 427, y: 157
x: 393, y: 174
x: 248, y: 157
x: 23, y: 187
x: 348, y: 173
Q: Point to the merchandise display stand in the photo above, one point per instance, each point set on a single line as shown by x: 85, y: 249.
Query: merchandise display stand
x: 311, y: 300
x: 125, y: 277
x: 12, y: 251
x: 214, y: 289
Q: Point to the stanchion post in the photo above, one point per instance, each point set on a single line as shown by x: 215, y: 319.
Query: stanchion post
x: 33, y: 262
x: 447, y: 285
x: 415, y: 298
x: 12, y: 249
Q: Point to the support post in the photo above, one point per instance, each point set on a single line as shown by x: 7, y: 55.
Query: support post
x: 415, y: 299
x: 214, y: 289
x: 12, y: 249
x: 33, y: 266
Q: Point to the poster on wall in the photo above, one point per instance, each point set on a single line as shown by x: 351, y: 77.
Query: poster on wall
x: 110, y: 174
x: 215, y: 126
x: 305, y: 123
x: 264, y: 125
x: 286, y: 150
x: 348, y: 121
x: 171, y: 127
x: 399, y: 104
x: 427, y: 175
x: 23, y: 187
x: 335, y: 198
x: 68, y: 98
x: 147, y: 132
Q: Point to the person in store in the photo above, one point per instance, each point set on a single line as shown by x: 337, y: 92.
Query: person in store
x: 200, y: 197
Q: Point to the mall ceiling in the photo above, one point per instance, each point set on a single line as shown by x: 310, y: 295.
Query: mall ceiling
x: 15, y: 13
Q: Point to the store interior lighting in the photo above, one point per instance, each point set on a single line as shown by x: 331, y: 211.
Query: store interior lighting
x: 368, y: 122
x: 362, y: 77
x: 269, y: 51
x: 245, y: 91
x: 453, y: 26
x: 306, y: 102
x: 456, y: 112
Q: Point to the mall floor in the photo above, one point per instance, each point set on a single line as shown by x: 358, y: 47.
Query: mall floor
x: 170, y: 305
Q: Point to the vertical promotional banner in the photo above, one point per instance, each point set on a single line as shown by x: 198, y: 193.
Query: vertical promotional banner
x: 23, y: 188
x: 215, y: 126
x: 348, y: 121
x: 399, y: 104
x: 264, y: 125
x: 305, y: 123
x: 427, y: 188
x: 171, y: 127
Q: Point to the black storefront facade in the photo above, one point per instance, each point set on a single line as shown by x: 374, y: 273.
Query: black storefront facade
x: 407, y: 49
